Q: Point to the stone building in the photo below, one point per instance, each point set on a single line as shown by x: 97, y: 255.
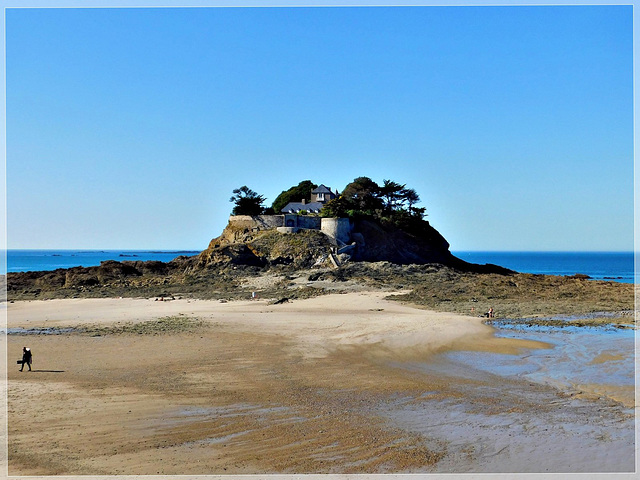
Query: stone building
x: 319, y: 197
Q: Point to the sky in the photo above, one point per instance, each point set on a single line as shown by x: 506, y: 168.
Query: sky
x: 129, y: 128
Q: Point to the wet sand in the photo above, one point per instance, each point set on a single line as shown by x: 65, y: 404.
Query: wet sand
x: 345, y: 383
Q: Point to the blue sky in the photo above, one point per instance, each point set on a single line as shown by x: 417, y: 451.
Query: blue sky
x: 129, y: 128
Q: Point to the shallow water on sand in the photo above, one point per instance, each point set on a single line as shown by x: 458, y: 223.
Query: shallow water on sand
x: 598, y: 360
x: 568, y: 408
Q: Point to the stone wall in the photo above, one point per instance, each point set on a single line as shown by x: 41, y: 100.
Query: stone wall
x: 302, y: 221
x: 260, y: 222
x: 337, y: 228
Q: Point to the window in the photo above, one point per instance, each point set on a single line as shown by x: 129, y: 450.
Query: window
x: 320, y: 197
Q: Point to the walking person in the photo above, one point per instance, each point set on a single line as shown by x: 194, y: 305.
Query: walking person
x: 26, y: 357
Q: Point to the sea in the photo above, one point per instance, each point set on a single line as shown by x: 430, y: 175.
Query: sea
x: 613, y: 266
x: 46, y: 260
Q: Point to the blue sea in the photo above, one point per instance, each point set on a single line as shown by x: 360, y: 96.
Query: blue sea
x: 613, y: 266
x: 40, y: 260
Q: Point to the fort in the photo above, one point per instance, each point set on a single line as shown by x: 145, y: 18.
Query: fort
x: 338, y: 230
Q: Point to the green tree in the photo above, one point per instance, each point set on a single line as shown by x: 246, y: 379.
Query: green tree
x: 294, y: 194
x: 392, y: 193
x: 339, y: 207
x: 364, y: 195
x: 411, y: 197
x: 247, y: 202
x: 419, y: 212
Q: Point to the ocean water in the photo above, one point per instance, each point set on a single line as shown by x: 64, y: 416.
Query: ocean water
x: 615, y: 266
x: 41, y: 260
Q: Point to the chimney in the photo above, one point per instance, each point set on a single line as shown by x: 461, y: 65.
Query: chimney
x: 304, y: 201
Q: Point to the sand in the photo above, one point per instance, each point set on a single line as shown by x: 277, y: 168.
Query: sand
x: 343, y: 383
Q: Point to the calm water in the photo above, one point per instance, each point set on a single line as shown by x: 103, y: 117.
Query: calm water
x: 618, y: 266
x: 598, y: 265
x: 39, y: 260
x: 602, y: 356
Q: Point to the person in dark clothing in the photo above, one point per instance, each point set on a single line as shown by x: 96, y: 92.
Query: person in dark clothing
x: 26, y: 357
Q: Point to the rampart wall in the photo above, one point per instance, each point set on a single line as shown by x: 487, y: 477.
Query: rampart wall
x: 302, y: 221
x: 339, y: 229
x: 259, y: 222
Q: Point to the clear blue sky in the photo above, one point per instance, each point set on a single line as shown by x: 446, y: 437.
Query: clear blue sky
x: 129, y: 128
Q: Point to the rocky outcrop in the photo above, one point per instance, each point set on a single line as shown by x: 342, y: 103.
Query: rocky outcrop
x: 265, y: 248
x: 109, y: 272
x: 254, y: 243
x: 377, y: 243
x: 253, y: 246
x: 231, y: 254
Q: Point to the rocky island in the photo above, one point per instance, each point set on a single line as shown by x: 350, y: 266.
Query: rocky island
x: 361, y: 240
x: 327, y: 334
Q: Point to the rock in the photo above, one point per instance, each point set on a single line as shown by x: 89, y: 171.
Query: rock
x: 316, y: 276
x: 251, y: 246
x: 579, y: 276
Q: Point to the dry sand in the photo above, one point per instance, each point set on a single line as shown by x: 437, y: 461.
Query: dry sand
x: 324, y: 385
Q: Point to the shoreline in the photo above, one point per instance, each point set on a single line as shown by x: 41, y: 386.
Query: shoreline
x: 322, y: 385
x: 503, y: 258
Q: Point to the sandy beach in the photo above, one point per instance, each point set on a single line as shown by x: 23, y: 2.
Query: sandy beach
x: 341, y: 383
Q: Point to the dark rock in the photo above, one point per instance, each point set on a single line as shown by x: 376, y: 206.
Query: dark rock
x: 580, y: 276
x: 281, y: 261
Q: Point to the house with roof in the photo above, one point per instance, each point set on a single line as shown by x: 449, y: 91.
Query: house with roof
x: 322, y: 194
x: 319, y: 197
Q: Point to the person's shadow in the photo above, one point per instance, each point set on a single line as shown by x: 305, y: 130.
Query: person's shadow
x: 46, y: 371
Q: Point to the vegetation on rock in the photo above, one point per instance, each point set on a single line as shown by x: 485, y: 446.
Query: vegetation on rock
x: 247, y: 202
x: 297, y: 193
x: 390, y: 204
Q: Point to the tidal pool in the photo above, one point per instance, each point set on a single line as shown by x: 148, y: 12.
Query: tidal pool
x: 595, y: 360
x: 564, y: 409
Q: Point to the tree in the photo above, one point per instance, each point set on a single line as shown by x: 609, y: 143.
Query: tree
x: 411, y: 197
x: 392, y: 193
x: 247, y: 202
x: 339, y: 207
x: 294, y: 194
x: 365, y: 198
x: 364, y: 195
x: 418, y: 212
